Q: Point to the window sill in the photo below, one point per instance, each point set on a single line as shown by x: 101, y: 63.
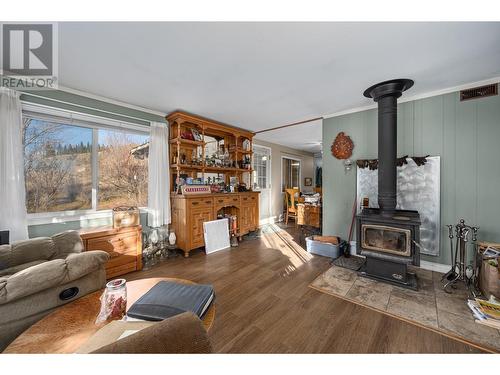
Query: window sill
x: 68, y: 216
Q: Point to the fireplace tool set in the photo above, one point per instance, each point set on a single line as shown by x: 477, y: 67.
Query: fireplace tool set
x: 461, y: 271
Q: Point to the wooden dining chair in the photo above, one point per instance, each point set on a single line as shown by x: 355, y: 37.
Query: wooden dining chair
x: 291, y: 198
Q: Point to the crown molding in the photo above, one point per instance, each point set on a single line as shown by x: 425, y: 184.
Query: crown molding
x: 419, y: 96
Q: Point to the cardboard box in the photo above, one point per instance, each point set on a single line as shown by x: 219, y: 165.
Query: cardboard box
x: 125, y: 217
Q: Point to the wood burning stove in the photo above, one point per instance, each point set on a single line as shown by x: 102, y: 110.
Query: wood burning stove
x: 390, y: 243
x: 389, y: 238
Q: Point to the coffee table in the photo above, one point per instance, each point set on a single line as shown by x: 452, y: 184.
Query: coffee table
x: 67, y: 328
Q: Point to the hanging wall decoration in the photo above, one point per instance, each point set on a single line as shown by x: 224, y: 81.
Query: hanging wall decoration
x: 342, y: 148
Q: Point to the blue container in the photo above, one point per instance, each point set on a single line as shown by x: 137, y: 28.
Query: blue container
x: 322, y: 248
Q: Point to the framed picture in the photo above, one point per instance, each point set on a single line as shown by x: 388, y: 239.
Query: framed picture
x: 196, y: 134
x: 308, y: 181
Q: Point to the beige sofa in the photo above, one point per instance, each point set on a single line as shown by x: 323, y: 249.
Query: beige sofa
x: 180, y: 334
x: 40, y: 274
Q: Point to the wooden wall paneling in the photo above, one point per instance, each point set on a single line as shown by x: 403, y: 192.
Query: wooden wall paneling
x: 448, y: 172
x: 488, y: 168
x: 464, y: 134
x: 417, y: 127
x: 405, y: 128
x: 466, y: 154
x: 431, y: 127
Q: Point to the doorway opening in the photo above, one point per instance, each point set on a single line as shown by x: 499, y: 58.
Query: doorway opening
x: 261, y: 181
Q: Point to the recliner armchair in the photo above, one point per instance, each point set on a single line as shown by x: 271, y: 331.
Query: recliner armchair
x: 40, y: 274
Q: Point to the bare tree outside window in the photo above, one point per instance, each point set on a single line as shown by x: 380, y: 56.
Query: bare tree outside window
x: 123, y: 174
x: 57, y: 160
x: 58, y: 167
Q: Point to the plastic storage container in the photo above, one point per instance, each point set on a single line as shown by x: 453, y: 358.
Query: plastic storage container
x: 322, y: 248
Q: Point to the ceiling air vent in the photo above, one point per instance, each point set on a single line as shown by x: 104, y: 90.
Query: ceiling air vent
x: 479, y: 92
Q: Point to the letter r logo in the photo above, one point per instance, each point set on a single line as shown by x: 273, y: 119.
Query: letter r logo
x: 28, y: 49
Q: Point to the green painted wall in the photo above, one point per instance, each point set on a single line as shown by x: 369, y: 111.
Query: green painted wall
x: 465, y: 134
x: 82, y: 104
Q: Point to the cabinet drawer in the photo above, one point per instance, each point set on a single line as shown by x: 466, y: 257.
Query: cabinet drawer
x: 227, y: 201
x: 119, y: 243
x: 117, y: 259
x: 200, y: 203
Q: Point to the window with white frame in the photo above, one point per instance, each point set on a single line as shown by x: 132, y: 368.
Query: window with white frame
x: 79, y: 163
x: 290, y: 173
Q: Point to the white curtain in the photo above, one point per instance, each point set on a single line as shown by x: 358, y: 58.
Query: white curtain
x: 13, y: 215
x: 159, y: 176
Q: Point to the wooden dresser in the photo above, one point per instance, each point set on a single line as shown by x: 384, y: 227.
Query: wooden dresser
x: 124, y: 246
x: 189, y: 212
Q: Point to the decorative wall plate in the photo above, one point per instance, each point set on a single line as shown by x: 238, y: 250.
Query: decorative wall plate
x: 342, y: 146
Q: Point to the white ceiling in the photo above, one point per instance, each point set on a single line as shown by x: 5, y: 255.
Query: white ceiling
x: 306, y: 137
x: 263, y: 75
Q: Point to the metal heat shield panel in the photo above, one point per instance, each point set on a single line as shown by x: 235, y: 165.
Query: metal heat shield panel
x: 419, y: 189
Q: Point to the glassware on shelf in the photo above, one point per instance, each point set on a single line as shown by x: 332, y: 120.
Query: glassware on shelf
x: 148, y: 257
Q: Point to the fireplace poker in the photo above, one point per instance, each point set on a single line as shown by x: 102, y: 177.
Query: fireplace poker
x: 460, y: 269
x: 451, y: 274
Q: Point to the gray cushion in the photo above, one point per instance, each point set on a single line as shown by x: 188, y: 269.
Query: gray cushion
x: 41, y: 248
x: 49, y: 274
x: 68, y: 242
x: 79, y: 265
x: 32, y: 280
x: 19, y: 267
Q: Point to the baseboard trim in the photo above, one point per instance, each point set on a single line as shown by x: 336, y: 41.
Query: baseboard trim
x: 436, y: 267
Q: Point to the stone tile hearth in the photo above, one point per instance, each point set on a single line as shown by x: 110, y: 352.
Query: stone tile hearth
x: 429, y: 305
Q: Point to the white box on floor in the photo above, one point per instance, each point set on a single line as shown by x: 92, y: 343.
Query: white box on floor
x: 216, y: 235
x: 322, y: 248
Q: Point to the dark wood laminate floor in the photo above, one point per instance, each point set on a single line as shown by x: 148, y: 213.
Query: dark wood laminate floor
x: 264, y: 304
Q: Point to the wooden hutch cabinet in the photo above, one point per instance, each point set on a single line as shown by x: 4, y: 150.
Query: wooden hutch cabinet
x: 190, y: 212
x: 193, y: 140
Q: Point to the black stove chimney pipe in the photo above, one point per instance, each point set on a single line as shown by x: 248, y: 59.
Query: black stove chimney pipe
x: 386, y: 95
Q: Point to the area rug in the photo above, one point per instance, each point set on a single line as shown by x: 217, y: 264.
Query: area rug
x: 429, y: 307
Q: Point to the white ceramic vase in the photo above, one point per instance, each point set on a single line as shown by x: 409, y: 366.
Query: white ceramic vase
x: 172, y: 238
